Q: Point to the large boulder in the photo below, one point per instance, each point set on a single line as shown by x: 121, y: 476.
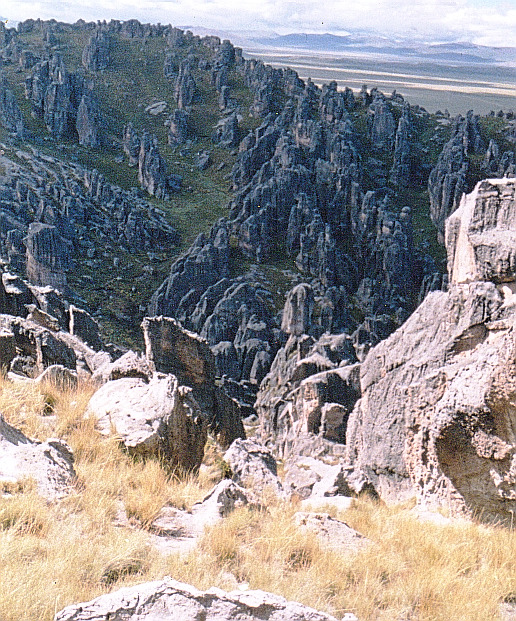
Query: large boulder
x: 435, y: 418
x: 169, y: 599
x: 158, y: 418
x: 48, y: 464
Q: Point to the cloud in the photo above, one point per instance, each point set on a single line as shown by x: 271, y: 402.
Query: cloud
x: 481, y: 21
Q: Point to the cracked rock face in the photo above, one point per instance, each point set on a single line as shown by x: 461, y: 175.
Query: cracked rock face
x: 436, y: 419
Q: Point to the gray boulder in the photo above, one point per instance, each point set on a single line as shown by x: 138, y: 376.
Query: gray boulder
x: 330, y: 532
x: 182, y: 602
x: 158, y: 418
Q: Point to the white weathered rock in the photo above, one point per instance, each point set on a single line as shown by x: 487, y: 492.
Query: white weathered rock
x: 331, y: 532
x: 49, y: 464
x: 481, y: 234
x: 155, y: 418
x: 307, y: 476
x: 224, y: 498
x: 254, y: 467
x: 129, y: 365
x: 59, y: 376
x: 169, y: 599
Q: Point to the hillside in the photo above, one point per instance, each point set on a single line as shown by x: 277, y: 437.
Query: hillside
x: 119, y: 71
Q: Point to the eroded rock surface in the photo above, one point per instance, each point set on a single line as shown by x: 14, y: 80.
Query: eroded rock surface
x: 436, y: 416
x: 182, y: 602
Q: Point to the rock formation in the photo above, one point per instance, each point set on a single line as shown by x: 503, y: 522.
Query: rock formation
x: 95, y: 55
x: 435, y: 416
x: 55, y: 95
x: 172, y: 349
x: 11, y: 117
x: 178, y: 127
x: 447, y: 181
x: 87, y: 123
x: 48, y: 256
x: 152, y: 169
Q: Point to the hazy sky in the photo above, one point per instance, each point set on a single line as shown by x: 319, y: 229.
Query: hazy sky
x: 490, y: 22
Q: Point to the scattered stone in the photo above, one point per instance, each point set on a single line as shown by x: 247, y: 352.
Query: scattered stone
x: 253, y: 466
x: 331, y: 532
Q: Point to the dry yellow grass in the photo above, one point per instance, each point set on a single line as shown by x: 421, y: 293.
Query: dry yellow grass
x: 56, y: 554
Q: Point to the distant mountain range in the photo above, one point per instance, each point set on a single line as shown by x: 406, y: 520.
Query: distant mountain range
x: 374, y: 44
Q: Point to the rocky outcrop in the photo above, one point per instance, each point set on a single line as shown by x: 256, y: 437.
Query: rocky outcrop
x: 172, y: 349
x: 131, y: 144
x: 447, y: 181
x: 382, y: 124
x: 48, y: 256
x: 11, y: 117
x: 401, y: 170
x: 95, y: 55
x: 177, y: 127
x: 435, y: 417
x: 182, y: 601
x: 185, y: 89
x: 297, y: 313
x: 496, y: 164
x: 87, y: 123
x: 48, y: 464
x: 481, y: 236
x: 227, y: 132
x: 152, y: 169
x: 55, y: 95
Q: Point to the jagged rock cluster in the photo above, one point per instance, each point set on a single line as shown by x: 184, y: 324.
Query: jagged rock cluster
x: 298, y: 191
x: 428, y: 412
x: 153, y: 173
x: 52, y: 214
x: 55, y: 95
x: 40, y: 329
x: 447, y: 181
x: 10, y: 114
